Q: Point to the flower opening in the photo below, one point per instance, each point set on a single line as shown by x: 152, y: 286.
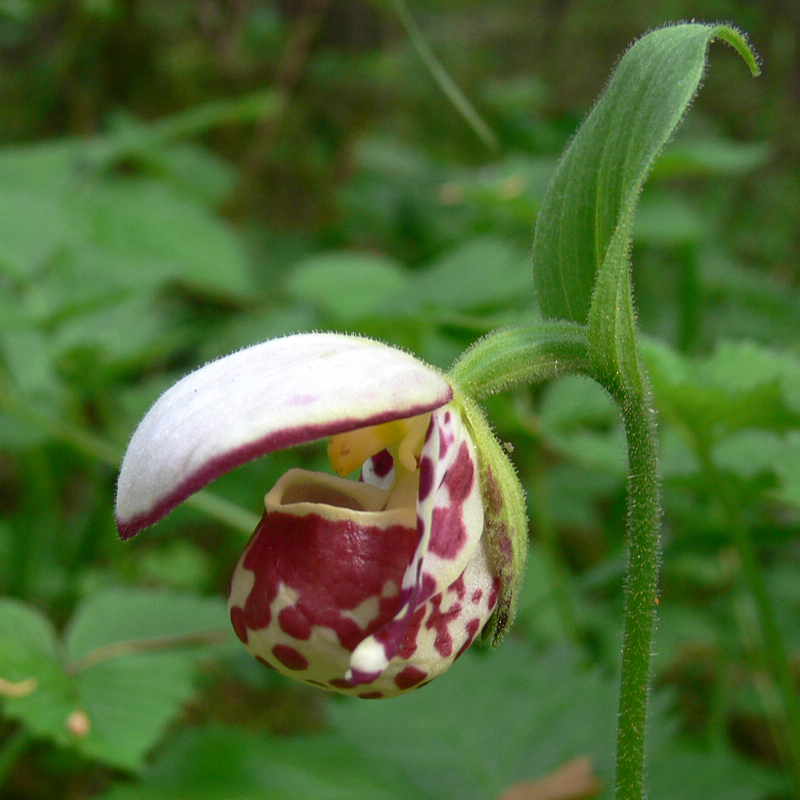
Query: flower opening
x: 370, y: 587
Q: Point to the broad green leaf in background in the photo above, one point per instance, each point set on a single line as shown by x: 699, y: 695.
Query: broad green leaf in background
x: 483, y: 272
x: 755, y: 452
x: 580, y: 421
x: 61, y: 200
x: 216, y: 762
x: 348, y: 286
x: 151, y: 234
x: 40, y: 695
x: 118, y: 615
x: 693, y: 158
x: 485, y: 726
x: 122, y: 673
x: 472, y: 734
x: 495, y: 723
x: 33, y: 225
x: 741, y: 386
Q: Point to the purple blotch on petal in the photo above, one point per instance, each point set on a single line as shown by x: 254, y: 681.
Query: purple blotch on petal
x: 410, y: 676
x: 289, y: 657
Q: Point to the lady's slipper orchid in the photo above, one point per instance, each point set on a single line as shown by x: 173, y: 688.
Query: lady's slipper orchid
x: 367, y: 587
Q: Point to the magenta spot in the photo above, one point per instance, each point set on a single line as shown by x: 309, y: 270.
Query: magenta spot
x: 425, y: 478
x: 504, y: 544
x: 493, y: 595
x: 426, y: 590
x: 408, y: 644
x: 410, y: 676
x: 399, y: 636
x: 446, y: 436
x: 448, y: 533
x: 263, y: 661
x: 371, y: 695
x: 382, y: 463
x: 340, y: 683
x: 477, y: 596
x: 302, y: 399
x: 239, y: 625
x: 472, y: 628
x: 289, y: 657
x: 458, y: 587
x: 294, y: 623
x: 439, y: 621
x: 359, y: 677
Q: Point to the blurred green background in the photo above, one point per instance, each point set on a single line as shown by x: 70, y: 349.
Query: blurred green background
x: 180, y: 179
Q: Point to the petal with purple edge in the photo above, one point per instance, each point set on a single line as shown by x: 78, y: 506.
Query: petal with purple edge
x: 281, y: 393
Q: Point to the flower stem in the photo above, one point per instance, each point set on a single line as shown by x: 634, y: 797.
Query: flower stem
x: 644, y: 513
x: 523, y: 354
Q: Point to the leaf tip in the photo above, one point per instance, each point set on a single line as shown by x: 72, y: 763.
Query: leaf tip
x: 738, y: 41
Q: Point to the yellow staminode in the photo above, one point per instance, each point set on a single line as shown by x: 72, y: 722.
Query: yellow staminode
x: 403, y: 438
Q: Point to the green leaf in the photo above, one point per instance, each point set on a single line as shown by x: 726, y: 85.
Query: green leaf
x: 152, y: 235
x: 498, y: 719
x: 132, y: 655
x: 129, y: 701
x: 347, y: 286
x: 788, y: 468
x: 584, y: 226
x: 484, y: 272
x: 39, y: 695
x: 742, y: 385
x: 33, y: 224
x: 710, y: 157
x: 749, y: 452
x: 580, y: 421
x: 217, y: 762
x: 668, y: 220
x: 515, y: 715
x: 125, y: 669
x: 119, y: 615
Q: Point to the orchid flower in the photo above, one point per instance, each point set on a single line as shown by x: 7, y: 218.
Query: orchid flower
x: 369, y: 586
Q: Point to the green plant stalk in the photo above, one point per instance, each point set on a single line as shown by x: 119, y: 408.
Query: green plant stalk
x: 523, y: 354
x: 445, y: 82
x: 641, y: 598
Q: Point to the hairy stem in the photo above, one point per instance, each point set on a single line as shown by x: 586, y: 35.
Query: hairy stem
x: 644, y: 514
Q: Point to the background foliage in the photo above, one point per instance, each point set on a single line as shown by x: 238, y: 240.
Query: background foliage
x: 178, y: 180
